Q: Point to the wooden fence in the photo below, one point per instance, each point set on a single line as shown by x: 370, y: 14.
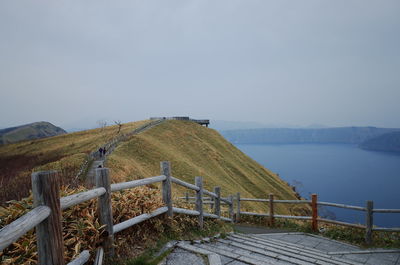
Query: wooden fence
x: 314, y: 203
x: 46, y: 214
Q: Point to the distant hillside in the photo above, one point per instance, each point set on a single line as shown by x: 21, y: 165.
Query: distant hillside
x: 65, y: 153
x: 30, y: 131
x: 389, y: 142
x: 342, y: 135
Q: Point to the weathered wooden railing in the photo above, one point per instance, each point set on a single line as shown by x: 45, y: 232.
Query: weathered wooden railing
x: 46, y: 216
x: 368, y: 209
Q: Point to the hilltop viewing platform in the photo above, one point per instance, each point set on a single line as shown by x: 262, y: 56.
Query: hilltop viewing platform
x: 183, y: 118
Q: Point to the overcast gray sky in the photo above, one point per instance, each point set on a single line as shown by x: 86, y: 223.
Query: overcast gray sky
x: 332, y: 62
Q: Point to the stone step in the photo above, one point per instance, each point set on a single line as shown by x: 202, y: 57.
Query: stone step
x: 278, y: 255
x: 288, y: 255
x: 213, y: 258
x: 285, y: 244
x: 316, y: 254
x: 241, y: 249
x: 233, y: 254
x: 297, y: 249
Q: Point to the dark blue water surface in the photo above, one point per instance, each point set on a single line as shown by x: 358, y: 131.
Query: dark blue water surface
x: 337, y: 173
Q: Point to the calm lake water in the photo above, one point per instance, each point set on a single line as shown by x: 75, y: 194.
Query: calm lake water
x: 337, y: 173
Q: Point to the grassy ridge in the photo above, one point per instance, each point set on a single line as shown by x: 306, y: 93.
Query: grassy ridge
x: 64, y: 153
x: 194, y: 150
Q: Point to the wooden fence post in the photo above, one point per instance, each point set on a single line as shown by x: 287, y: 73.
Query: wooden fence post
x: 105, y: 209
x: 217, y: 208
x: 231, y: 208
x: 369, y: 222
x: 46, y: 191
x: 314, y: 206
x: 166, y: 186
x: 199, y: 200
x: 271, y: 210
x: 237, y: 207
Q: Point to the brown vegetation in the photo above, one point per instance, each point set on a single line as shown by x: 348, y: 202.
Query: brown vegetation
x: 65, y: 153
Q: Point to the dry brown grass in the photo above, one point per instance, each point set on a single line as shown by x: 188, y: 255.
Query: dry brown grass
x: 194, y: 150
x: 64, y: 153
x: 82, y: 231
x: 81, y: 228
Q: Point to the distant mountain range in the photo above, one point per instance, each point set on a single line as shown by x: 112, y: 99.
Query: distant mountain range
x: 30, y: 131
x: 221, y: 125
x: 372, y: 138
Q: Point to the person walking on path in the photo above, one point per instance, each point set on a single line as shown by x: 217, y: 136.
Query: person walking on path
x: 101, y: 151
x: 104, y: 151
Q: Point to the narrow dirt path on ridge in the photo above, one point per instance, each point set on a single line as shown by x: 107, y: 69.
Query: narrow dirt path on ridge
x: 98, y: 160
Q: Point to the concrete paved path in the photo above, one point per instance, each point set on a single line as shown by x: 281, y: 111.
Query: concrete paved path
x: 276, y: 248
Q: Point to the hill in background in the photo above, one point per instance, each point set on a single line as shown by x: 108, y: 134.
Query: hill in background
x: 389, y: 142
x: 65, y: 153
x: 340, y: 135
x: 30, y: 131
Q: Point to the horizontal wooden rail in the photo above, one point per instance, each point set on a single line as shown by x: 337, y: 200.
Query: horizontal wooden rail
x: 81, y: 259
x: 292, y: 201
x: 138, y: 219
x: 226, y: 219
x: 210, y: 215
x: 78, y: 198
x: 293, y: 217
x: 13, y: 231
x: 386, y: 229
x: 185, y: 211
x: 136, y: 183
x: 184, y: 184
x: 386, y: 210
x: 275, y: 201
x: 340, y: 223
x: 196, y: 213
x: 206, y: 200
x: 254, y: 200
x: 277, y: 216
x: 212, y: 194
x: 254, y: 214
x: 338, y: 205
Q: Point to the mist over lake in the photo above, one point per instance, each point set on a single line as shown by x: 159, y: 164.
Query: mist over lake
x: 340, y: 173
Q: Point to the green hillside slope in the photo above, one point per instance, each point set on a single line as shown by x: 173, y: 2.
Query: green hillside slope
x: 194, y: 150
